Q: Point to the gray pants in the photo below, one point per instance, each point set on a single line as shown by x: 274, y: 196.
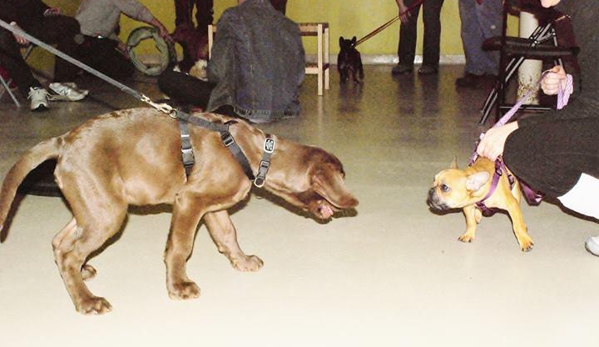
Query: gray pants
x: 480, y: 22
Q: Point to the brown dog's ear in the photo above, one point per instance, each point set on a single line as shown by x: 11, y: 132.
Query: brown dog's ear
x: 330, y: 186
x: 454, y: 163
x: 475, y: 181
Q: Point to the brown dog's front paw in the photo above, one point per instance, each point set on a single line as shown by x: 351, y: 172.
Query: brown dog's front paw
x: 93, y: 305
x: 466, y: 237
x: 184, y: 291
x: 248, y: 264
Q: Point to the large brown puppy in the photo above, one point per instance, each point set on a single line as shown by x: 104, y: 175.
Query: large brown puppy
x: 132, y: 157
x: 454, y: 188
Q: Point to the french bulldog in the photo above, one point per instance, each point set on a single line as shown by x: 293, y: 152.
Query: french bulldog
x: 349, y: 61
x: 469, y: 189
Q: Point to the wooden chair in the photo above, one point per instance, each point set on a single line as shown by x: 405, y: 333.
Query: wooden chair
x: 322, y: 64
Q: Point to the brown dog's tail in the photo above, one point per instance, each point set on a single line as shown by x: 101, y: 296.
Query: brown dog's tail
x: 45, y: 150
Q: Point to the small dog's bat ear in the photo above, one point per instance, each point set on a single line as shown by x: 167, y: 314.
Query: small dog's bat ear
x: 454, y: 163
x: 341, y: 39
x: 353, y: 39
x: 475, y: 181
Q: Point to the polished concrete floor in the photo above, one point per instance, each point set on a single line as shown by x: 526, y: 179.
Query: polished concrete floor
x: 391, y: 274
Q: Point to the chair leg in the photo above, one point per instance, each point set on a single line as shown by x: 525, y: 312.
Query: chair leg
x: 326, y: 59
x: 7, y: 89
x: 319, y: 60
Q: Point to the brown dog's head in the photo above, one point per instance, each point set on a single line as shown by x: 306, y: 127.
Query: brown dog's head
x: 312, y: 181
x: 455, y: 188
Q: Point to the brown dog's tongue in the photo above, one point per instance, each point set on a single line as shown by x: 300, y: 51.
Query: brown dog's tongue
x: 326, y: 211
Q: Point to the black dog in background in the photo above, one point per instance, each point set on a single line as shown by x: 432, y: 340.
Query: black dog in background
x: 349, y: 61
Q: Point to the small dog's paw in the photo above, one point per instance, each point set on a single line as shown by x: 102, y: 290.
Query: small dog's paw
x: 248, y: 264
x: 184, y: 291
x: 526, y: 244
x: 466, y: 237
x: 88, y: 272
x: 93, y: 305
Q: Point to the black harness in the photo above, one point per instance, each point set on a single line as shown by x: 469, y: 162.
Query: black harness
x: 188, y: 157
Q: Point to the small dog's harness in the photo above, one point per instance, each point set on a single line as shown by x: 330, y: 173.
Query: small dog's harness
x: 500, y: 169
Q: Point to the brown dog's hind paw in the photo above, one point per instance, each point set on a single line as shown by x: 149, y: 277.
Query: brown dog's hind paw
x: 94, y: 305
x: 184, y: 291
x: 248, y: 264
x: 88, y: 272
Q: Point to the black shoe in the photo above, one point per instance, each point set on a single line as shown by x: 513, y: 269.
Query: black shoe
x: 428, y: 70
x: 469, y: 81
x: 401, y: 69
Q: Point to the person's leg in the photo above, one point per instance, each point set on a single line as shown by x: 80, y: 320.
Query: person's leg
x: 489, y: 15
x: 431, y: 16
x: 61, y: 30
x: 406, y: 47
x: 12, y: 60
x: 204, y: 15
x: 185, y: 89
x: 561, y: 159
x: 102, y: 55
x: 408, y: 33
x: 183, y: 9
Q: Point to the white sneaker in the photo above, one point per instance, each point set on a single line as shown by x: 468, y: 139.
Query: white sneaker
x: 66, y: 92
x: 592, y: 245
x: 39, y: 99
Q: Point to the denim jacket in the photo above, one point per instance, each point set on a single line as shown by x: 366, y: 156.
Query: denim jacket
x: 258, y: 62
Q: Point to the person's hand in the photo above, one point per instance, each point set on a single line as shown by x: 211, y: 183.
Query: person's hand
x: 492, y: 144
x: 52, y: 11
x: 404, y: 16
x: 555, y: 77
x: 20, y: 39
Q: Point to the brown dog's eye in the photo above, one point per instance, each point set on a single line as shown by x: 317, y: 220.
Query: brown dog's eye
x: 444, y: 188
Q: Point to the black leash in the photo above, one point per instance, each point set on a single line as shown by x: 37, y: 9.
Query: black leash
x: 187, y: 155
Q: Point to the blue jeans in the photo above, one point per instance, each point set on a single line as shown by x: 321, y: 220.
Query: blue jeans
x: 480, y: 22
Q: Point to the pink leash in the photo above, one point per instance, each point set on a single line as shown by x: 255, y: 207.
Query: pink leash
x: 563, y: 96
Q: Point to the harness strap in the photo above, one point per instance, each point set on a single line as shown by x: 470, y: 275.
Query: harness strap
x: 231, y: 144
x: 187, y: 155
x: 269, y: 147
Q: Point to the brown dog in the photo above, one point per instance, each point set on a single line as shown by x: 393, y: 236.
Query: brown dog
x: 454, y: 188
x: 132, y: 157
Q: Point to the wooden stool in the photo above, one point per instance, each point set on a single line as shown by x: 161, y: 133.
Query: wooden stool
x: 320, y: 67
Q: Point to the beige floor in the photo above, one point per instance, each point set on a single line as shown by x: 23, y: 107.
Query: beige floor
x: 393, y: 274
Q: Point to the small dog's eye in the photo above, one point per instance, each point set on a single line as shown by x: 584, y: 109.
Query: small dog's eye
x: 444, y: 188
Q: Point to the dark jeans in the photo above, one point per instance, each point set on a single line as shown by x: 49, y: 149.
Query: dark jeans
x: 406, y: 50
x: 102, y: 55
x: 59, y: 30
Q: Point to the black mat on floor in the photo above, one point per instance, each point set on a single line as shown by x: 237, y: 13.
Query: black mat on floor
x: 41, y: 181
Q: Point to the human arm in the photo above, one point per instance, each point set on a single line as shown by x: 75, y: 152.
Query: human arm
x: 137, y: 11
x: 493, y: 143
